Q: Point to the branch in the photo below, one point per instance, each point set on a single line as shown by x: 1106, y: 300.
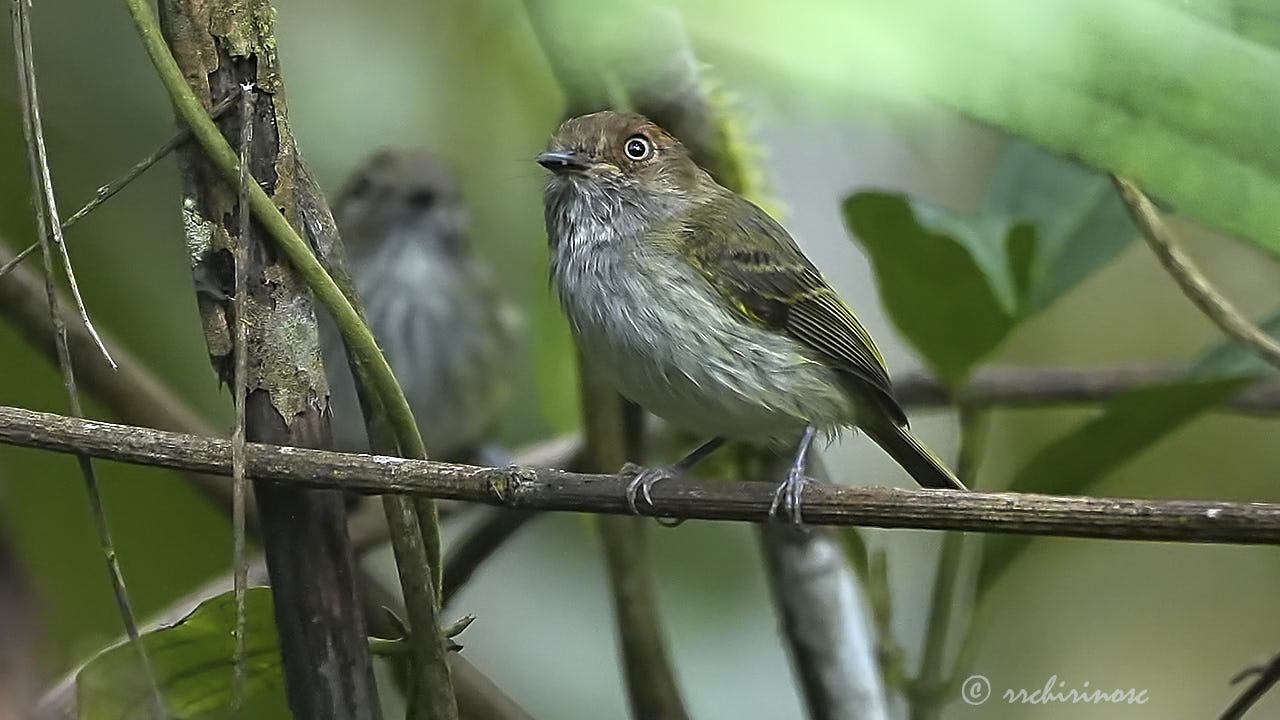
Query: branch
x: 130, y: 393
x: 1216, y: 307
x: 239, y: 393
x: 828, y: 638
x: 136, y: 396
x: 1041, y: 387
x: 1267, y: 677
x: 1195, y: 521
x: 928, y: 692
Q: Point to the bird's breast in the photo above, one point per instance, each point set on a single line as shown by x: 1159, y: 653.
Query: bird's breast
x: 653, y: 324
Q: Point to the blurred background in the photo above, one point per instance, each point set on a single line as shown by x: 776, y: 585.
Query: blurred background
x: 469, y: 81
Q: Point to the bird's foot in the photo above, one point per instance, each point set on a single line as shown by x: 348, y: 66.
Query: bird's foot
x: 787, y: 496
x: 643, y: 482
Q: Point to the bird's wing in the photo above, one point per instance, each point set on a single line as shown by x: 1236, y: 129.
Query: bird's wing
x: 761, y: 272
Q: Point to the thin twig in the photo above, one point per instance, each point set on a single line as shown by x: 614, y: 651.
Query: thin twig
x: 46, y: 220
x: 108, y: 191
x: 42, y: 183
x: 1197, y: 288
x: 431, y: 687
x: 928, y: 692
x: 1197, y: 521
x: 1268, y: 676
x: 240, y: 389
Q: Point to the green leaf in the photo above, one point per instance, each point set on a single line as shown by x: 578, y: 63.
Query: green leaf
x: 944, y: 279
x: 192, y: 661
x: 1184, y: 105
x: 1232, y: 359
x: 1128, y: 424
x: 1081, y: 222
x: 1044, y: 225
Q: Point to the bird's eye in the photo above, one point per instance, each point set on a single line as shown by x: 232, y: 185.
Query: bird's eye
x: 421, y: 199
x: 359, y: 188
x: 638, y: 148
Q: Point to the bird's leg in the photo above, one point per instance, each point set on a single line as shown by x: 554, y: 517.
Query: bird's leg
x: 787, y: 496
x: 646, y: 478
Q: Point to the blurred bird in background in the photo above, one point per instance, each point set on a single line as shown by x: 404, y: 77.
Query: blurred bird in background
x: 431, y: 303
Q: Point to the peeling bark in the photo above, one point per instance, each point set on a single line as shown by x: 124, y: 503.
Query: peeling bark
x: 221, y: 46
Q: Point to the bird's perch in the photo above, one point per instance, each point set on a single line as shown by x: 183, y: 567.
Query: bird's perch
x: 1197, y: 521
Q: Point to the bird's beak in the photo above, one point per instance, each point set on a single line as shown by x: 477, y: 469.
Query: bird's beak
x: 563, y: 161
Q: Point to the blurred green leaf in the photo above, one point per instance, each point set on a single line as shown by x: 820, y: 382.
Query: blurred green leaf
x: 945, y: 280
x: 1257, y: 20
x: 1044, y: 224
x: 192, y: 661
x: 1184, y: 106
x: 1127, y: 425
x: 1230, y: 358
x: 1081, y: 222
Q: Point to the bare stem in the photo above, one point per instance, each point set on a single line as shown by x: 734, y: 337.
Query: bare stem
x: 928, y: 692
x: 1267, y: 677
x: 241, y: 362
x: 108, y: 191
x: 47, y: 226
x: 1197, y: 288
x: 430, y: 686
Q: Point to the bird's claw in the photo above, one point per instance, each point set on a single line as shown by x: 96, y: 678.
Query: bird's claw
x: 642, y: 484
x: 788, y: 495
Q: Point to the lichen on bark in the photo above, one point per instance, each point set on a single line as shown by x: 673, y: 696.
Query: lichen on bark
x: 223, y: 46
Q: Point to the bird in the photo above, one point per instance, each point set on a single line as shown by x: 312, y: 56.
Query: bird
x: 449, y: 337
x: 702, y: 309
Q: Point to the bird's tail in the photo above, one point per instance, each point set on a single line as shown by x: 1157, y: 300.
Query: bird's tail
x: 926, y: 468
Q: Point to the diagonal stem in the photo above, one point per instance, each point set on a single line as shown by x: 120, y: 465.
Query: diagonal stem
x: 47, y: 221
x: 1194, y: 285
x: 108, y: 191
x: 241, y: 362
x: 928, y: 690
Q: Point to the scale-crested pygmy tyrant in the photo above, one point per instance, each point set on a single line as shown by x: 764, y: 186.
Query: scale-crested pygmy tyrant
x: 430, y: 303
x: 704, y: 310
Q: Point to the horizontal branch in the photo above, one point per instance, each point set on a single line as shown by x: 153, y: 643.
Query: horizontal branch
x: 1038, y: 387
x: 536, y: 489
